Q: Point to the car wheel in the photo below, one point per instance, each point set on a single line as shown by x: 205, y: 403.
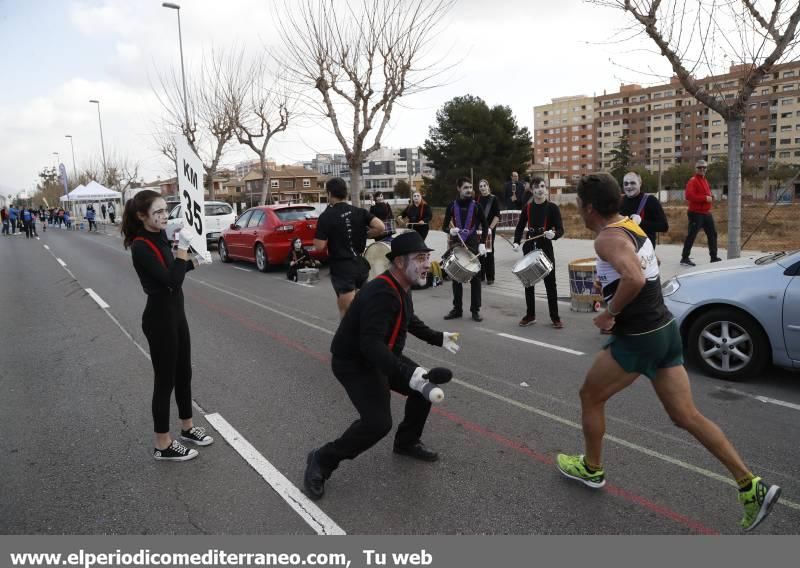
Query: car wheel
x: 222, y: 248
x: 728, y: 344
x: 262, y: 262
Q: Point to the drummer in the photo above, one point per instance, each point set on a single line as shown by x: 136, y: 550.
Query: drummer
x: 543, y: 220
x: 462, y: 219
x: 418, y: 215
x: 383, y: 211
x: 491, y: 210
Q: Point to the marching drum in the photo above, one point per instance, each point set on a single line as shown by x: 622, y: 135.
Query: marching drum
x: 376, y: 256
x: 461, y: 265
x: 308, y: 275
x: 582, y: 277
x: 532, y: 268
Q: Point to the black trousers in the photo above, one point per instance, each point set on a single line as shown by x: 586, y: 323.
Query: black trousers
x: 699, y: 221
x: 474, y: 294
x: 549, y: 286
x: 370, y: 393
x: 167, y: 331
x: 487, y: 261
x: 422, y: 230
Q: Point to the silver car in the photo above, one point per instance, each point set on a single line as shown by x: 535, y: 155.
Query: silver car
x: 740, y: 315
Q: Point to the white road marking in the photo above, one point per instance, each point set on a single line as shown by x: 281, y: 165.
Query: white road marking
x: 765, y: 399
x: 46, y: 247
x: 61, y: 262
x: 541, y: 344
x: 303, y: 506
x: 242, y: 269
x: 98, y: 299
x: 303, y: 284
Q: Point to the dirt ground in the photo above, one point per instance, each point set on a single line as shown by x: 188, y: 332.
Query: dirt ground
x: 779, y: 231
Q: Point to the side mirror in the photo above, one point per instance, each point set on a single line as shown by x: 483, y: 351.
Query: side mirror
x: 234, y: 226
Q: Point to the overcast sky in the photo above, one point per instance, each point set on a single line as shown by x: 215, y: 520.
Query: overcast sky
x: 56, y: 55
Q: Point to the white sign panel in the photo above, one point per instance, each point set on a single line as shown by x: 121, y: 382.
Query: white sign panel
x: 193, y: 201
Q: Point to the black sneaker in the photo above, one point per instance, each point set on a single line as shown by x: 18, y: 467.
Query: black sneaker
x: 687, y: 262
x: 417, y: 451
x: 453, y: 314
x: 196, y: 435
x: 527, y: 320
x: 716, y: 259
x: 476, y: 316
x: 175, y: 452
x: 314, y: 478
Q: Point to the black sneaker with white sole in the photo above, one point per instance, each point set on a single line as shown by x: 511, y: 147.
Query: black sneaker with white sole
x: 687, y: 262
x: 175, y: 452
x: 197, y: 435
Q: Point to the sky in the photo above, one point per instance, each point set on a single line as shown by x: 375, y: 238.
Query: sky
x: 56, y: 55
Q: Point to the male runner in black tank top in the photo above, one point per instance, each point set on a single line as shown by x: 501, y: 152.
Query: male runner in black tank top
x: 645, y: 341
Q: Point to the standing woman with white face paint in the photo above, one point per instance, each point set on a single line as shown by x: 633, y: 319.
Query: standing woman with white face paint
x: 644, y: 209
x: 491, y: 210
x: 419, y: 215
x: 542, y: 219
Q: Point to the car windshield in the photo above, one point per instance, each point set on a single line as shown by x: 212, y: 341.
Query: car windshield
x: 770, y: 258
x: 294, y: 213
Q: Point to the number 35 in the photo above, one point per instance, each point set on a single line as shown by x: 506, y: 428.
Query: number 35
x: 194, y: 215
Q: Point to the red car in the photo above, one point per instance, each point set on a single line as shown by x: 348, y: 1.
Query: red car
x: 264, y: 235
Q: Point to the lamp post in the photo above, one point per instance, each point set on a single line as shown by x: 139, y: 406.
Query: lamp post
x: 177, y: 9
x: 74, y: 169
x: 102, y: 143
x: 58, y: 158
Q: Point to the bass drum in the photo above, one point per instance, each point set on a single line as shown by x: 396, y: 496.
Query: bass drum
x: 375, y: 254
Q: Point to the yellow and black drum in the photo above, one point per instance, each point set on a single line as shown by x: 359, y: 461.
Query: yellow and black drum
x: 584, y: 287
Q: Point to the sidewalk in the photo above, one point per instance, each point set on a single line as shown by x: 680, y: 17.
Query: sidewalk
x: 566, y: 251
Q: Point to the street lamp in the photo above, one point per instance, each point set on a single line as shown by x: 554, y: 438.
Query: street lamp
x: 74, y: 169
x: 177, y: 9
x: 102, y: 143
x: 58, y: 158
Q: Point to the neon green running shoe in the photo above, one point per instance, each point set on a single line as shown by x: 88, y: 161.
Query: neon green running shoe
x: 758, y: 502
x: 574, y: 468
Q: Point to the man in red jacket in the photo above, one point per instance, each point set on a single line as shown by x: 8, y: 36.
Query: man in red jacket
x: 698, y: 194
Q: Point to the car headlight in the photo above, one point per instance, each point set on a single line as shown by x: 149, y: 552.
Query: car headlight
x: 670, y: 287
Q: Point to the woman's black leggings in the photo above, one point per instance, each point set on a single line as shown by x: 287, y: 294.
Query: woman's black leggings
x: 164, y: 324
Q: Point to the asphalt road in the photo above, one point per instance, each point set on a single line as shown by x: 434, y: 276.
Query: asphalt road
x: 75, y: 384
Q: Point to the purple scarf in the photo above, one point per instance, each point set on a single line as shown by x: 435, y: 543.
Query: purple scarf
x: 464, y: 231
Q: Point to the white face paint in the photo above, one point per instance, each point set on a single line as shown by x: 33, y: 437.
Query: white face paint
x: 540, y: 192
x: 416, y: 198
x: 298, y: 245
x: 466, y: 191
x: 484, y: 188
x: 417, y: 267
x: 631, y: 185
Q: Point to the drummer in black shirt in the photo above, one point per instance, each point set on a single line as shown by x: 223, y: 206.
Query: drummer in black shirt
x: 643, y: 208
x: 367, y: 359
x: 462, y: 219
x: 491, y: 210
x: 383, y: 211
x: 418, y: 215
x: 543, y: 219
x: 343, y: 230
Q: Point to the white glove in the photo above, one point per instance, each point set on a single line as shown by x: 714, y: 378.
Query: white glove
x: 550, y: 234
x: 450, y: 342
x: 203, y: 257
x: 481, y: 249
x: 515, y: 246
x: 454, y: 232
x: 636, y: 219
x: 428, y: 389
x: 184, y: 239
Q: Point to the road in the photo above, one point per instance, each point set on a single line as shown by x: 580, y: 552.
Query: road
x: 76, y: 447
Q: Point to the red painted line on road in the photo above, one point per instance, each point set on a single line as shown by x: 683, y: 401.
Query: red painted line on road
x: 545, y: 459
x: 519, y: 447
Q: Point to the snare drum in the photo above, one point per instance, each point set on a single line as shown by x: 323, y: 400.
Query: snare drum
x: 376, y: 256
x: 582, y: 277
x: 461, y: 265
x: 532, y: 268
x: 308, y: 275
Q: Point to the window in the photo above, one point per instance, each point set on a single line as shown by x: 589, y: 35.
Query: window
x: 244, y: 218
x: 787, y: 74
x: 306, y: 182
x: 784, y: 154
x: 786, y: 102
x: 274, y: 183
x: 788, y: 87
x: 716, y: 122
x: 218, y: 209
x: 256, y: 218
x: 294, y: 213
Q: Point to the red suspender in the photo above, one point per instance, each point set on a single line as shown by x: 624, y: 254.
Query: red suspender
x: 529, y: 218
x: 420, y: 214
x: 396, y: 331
x: 155, y: 249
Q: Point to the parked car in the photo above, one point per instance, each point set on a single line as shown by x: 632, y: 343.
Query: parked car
x: 264, y: 235
x: 218, y: 216
x: 740, y: 315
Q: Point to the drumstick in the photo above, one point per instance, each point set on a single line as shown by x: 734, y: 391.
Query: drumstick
x: 509, y: 241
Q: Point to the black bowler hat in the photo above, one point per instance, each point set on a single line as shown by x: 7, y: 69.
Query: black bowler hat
x: 407, y: 243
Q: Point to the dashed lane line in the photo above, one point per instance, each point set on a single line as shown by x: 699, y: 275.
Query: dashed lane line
x: 100, y: 302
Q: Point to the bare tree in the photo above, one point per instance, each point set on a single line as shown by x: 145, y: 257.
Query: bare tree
x: 260, y: 115
x: 706, y: 35
x: 361, y: 57
x: 218, y: 84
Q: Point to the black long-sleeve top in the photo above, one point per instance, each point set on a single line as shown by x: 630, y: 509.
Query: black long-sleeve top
x: 382, y: 211
x: 490, y: 206
x: 653, y: 218
x: 365, y: 331
x: 478, y: 222
x: 156, y: 278
x: 421, y: 214
x: 543, y: 217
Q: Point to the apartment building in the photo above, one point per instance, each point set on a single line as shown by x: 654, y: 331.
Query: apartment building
x: 564, y: 136
x: 666, y: 126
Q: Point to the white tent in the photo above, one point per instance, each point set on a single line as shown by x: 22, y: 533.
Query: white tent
x: 70, y: 196
x: 93, y: 191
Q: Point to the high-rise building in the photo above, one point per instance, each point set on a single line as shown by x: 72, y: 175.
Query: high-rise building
x: 564, y: 137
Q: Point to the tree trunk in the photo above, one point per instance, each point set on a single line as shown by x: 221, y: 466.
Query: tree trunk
x: 265, y: 198
x: 734, y: 187
x: 211, y: 185
x: 356, y: 185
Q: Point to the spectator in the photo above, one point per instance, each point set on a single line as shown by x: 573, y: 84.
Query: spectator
x: 513, y: 193
x: 103, y: 211
x: 12, y: 219
x: 698, y: 194
x: 90, y: 218
x: 4, y: 216
x: 112, y: 212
